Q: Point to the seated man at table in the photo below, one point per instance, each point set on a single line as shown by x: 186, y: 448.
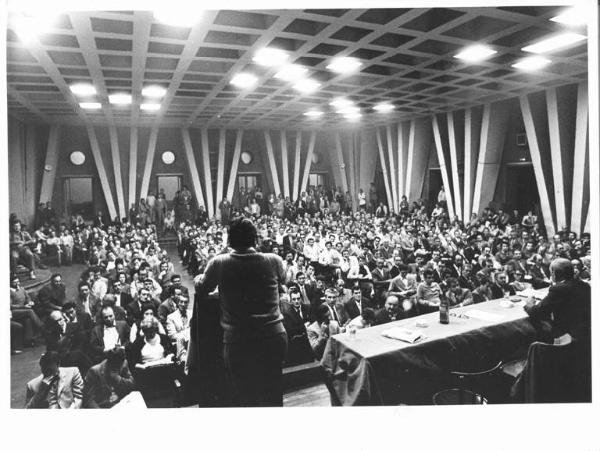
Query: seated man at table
x: 428, y: 293
x: 458, y: 296
x: 390, y: 311
x: 356, y: 303
x: 501, y: 288
x: 108, y: 382
x: 338, y: 312
x: 365, y: 319
x: 56, y: 387
x: 320, y: 330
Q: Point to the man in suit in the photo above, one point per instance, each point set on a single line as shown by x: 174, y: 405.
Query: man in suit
x: 51, y: 297
x: 82, y: 319
x: 86, y: 302
x: 321, y: 329
x: 107, y: 335
x: 56, y: 388
x: 390, y: 311
x: 178, y: 326
x: 501, y: 288
x: 169, y: 305
x: 68, y: 340
x: 356, y: 303
x: 336, y: 308
x: 175, y: 284
x: 295, y: 317
x: 381, y: 280
x: 108, y: 382
x: 122, y: 296
x: 134, y: 309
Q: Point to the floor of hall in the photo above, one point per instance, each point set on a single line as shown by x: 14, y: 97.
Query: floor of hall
x: 24, y: 367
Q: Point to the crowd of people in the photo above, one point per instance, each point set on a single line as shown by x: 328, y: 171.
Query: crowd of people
x: 347, y: 264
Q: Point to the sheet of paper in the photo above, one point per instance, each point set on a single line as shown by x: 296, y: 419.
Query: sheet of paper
x: 399, y: 333
x: 484, y: 316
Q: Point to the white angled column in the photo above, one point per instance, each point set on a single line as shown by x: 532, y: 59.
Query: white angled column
x: 454, y: 164
x: 401, y: 169
x: 388, y: 192
x: 308, y: 163
x: 284, y: 164
x: 220, y: 171
x: 580, y: 160
x: 442, y: 161
x: 191, y: 161
x: 297, y: 165
x: 51, y: 161
x: 133, y: 151
x: 536, y: 159
x: 340, y: 161
x: 116, y: 158
x: 112, y: 211
x: 234, y: 164
x: 419, y: 143
x: 557, y: 166
x: 272, y: 163
x: 210, y: 206
x: 468, y: 177
x: 394, y: 184
x: 149, y: 162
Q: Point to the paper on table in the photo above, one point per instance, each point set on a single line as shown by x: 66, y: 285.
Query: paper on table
x: 484, y: 316
x: 399, y: 333
x: 531, y: 293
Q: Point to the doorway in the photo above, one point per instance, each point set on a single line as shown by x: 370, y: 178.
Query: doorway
x: 79, y: 196
x: 521, y: 188
x: 169, y: 184
x: 435, y: 184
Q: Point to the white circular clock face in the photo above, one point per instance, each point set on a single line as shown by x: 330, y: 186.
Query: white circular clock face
x: 77, y: 158
x: 168, y: 157
x: 316, y: 158
x: 246, y: 157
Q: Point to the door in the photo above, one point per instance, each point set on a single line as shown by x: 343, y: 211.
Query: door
x: 170, y: 184
x: 435, y: 184
x: 521, y: 188
x: 79, y: 196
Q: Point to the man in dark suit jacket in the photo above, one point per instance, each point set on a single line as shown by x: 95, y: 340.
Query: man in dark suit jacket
x: 356, y: 303
x: 86, y: 302
x: 82, y: 319
x: 122, y: 297
x: 107, y: 335
x: 69, y: 340
x: 134, y: 309
x: 295, y: 315
x: 390, y: 311
x: 108, y: 382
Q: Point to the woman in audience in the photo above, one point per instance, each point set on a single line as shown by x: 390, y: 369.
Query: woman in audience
x: 148, y: 311
x: 150, y: 346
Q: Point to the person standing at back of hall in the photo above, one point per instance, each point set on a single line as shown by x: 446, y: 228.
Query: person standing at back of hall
x: 254, y: 340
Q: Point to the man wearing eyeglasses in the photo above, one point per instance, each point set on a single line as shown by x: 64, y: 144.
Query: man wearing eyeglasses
x: 107, y: 335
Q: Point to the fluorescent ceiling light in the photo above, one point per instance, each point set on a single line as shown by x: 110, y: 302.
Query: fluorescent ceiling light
x: 554, y: 43
x: 270, y: 57
x: 244, y: 80
x: 120, y: 99
x: 182, y: 16
x: 353, y: 116
x: 340, y: 102
x: 475, y: 53
x: 90, y: 105
x: 384, y: 107
x: 83, y: 89
x: 291, y: 72
x: 313, y: 113
x: 154, y: 91
x: 532, y: 63
x: 307, y: 86
x: 576, y: 15
x: 349, y: 110
x: 344, y: 64
x: 150, y: 106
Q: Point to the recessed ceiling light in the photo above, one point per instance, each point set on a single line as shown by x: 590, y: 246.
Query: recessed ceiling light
x: 307, y: 86
x: 353, y: 116
x: 150, y: 106
x: 270, y: 57
x: 576, y: 15
x: 554, y: 43
x: 154, y: 91
x: 340, y: 102
x: 344, y: 64
x: 120, y: 99
x: 291, y: 72
x: 83, y: 89
x: 475, y: 53
x: 244, y: 80
x: 314, y: 113
x: 531, y: 63
x: 384, y: 107
x: 178, y: 17
x: 90, y: 105
x: 349, y: 110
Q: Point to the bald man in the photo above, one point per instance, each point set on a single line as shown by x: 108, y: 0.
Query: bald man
x: 567, y: 307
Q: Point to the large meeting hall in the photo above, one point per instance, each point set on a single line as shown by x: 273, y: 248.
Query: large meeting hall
x: 299, y: 207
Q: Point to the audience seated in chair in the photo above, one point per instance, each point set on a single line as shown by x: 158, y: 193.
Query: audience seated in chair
x: 108, y: 382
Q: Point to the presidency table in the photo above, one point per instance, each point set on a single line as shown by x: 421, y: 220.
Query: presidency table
x: 370, y: 369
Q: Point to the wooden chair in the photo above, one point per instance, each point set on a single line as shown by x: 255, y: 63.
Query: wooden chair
x: 472, y: 387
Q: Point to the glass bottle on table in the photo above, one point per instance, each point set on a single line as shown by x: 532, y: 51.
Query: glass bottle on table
x: 444, y: 308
